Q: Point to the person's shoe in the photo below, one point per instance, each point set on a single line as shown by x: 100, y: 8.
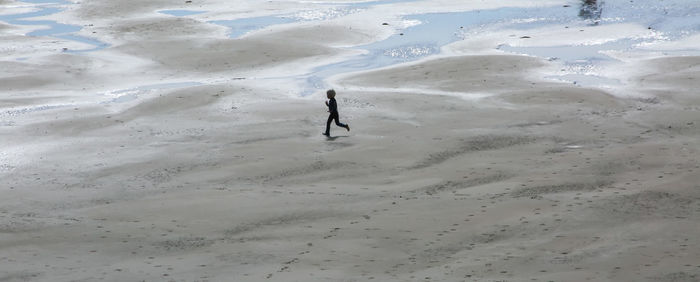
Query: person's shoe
x: 347, y: 126
x: 325, y: 133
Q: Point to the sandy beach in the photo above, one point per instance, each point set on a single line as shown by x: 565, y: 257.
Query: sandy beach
x: 155, y: 147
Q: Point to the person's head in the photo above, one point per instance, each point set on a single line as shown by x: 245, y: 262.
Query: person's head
x: 330, y: 93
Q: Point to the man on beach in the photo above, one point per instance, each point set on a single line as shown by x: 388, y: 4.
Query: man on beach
x: 333, y: 109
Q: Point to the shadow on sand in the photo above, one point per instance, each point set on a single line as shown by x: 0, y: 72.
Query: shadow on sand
x: 332, y: 138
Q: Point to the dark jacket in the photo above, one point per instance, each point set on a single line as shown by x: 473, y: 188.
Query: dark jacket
x: 332, y: 106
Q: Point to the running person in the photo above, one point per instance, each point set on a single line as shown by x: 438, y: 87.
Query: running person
x: 333, y: 109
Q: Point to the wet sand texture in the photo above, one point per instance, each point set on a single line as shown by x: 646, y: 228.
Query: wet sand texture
x: 231, y: 180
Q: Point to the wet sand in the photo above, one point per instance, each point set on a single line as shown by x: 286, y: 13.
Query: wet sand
x: 459, y: 168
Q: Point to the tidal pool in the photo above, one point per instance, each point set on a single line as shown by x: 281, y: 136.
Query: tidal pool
x: 180, y: 13
x: 56, y: 29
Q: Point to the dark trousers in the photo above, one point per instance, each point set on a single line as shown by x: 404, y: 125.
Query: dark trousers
x: 331, y: 117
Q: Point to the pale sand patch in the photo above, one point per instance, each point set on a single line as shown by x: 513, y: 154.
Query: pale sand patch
x: 53, y: 69
x: 160, y: 28
x: 120, y: 9
x: 667, y: 80
x: 498, y: 74
x: 222, y: 55
x: 253, y: 53
x: 15, y: 45
x: 466, y: 73
x: 328, y: 34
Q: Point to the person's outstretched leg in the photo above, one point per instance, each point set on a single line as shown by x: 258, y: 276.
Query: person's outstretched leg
x: 337, y: 122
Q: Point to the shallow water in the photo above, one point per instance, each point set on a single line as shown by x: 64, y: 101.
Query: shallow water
x: 180, y: 13
x: 434, y: 31
x: 376, y: 3
x: 56, y: 29
x: 670, y: 20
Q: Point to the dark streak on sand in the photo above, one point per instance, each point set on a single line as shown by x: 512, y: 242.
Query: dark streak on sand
x: 475, y: 144
x: 536, y: 191
x: 448, y: 186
